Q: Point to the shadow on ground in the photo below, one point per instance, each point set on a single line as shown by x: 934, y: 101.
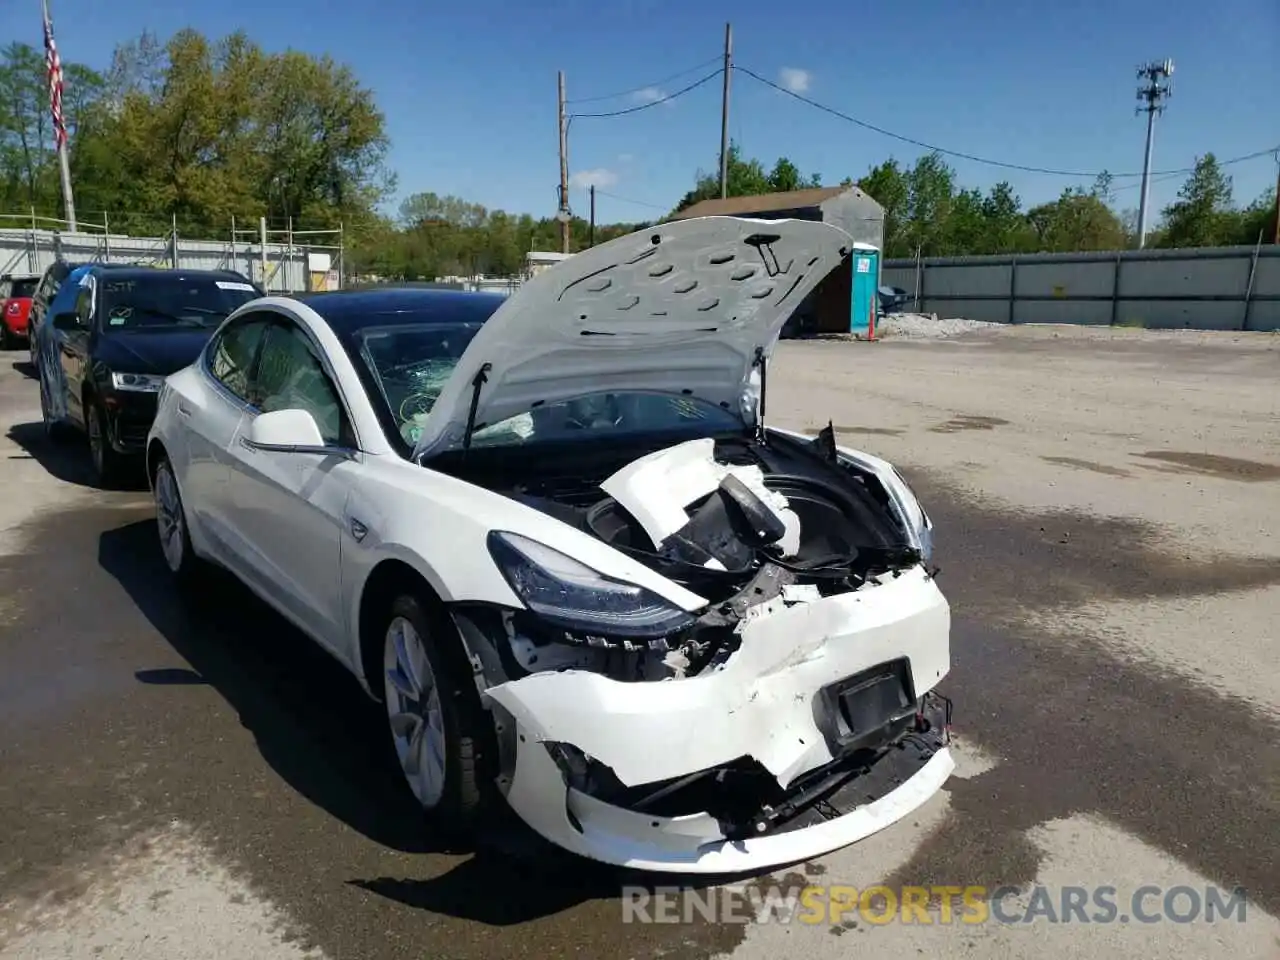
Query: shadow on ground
x: 66, y: 458
x: 324, y: 736
x: 312, y: 722
x: 26, y: 368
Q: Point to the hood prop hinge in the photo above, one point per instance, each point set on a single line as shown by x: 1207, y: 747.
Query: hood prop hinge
x: 481, y: 377
x: 761, y: 362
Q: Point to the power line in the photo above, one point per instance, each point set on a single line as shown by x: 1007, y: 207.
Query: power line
x: 638, y: 203
x: 1078, y: 174
x: 657, y: 84
x: 653, y: 103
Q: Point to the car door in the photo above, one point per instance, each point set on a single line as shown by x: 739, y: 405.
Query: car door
x: 211, y: 408
x: 290, y: 505
x: 74, y: 344
x: 48, y: 342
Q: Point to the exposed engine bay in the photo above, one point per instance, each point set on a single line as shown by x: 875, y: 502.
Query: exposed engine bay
x: 753, y: 525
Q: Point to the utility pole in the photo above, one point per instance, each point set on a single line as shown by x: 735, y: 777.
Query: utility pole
x: 563, y: 213
x: 1152, y: 94
x: 591, y: 235
x: 1275, y: 237
x: 724, y: 112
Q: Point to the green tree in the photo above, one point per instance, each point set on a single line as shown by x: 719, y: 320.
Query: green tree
x: 886, y: 184
x: 1202, y: 214
x: 207, y: 130
x: 1006, y: 225
x: 746, y: 178
x: 931, y: 190
x: 965, y: 230
x: 1077, y: 220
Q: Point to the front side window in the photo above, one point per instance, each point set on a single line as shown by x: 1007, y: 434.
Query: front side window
x: 290, y: 376
x: 231, y: 355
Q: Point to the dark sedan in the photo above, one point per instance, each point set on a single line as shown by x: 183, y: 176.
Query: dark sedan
x: 107, y: 357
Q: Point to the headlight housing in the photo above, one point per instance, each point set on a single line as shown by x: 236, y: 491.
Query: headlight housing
x: 570, y: 594
x: 137, y: 382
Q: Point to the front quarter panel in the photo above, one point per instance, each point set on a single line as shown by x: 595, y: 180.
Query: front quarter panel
x: 439, y: 525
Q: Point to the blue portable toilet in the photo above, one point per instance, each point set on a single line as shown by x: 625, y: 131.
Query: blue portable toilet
x: 864, y: 303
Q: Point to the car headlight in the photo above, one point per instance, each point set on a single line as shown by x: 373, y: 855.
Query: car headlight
x: 921, y: 526
x: 137, y: 382
x: 572, y: 595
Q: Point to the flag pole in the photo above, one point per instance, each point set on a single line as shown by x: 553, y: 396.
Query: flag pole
x: 53, y: 66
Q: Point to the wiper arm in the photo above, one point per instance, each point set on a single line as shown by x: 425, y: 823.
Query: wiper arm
x: 178, y: 319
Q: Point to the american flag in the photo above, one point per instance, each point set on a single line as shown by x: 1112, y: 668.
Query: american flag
x: 53, y: 67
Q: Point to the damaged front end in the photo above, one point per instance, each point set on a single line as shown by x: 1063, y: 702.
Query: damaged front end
x: 795, y: 713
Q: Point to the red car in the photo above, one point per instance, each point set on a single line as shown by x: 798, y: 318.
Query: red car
x: 15, y: 306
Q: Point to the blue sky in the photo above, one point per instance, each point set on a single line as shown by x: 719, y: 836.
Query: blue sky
x: 469, y: 89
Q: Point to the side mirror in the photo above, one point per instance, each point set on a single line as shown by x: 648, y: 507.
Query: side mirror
x: 66, y: 321
x: 288, y: 431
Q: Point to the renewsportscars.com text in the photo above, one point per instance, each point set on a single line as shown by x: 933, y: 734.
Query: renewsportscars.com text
x: 964, y: 904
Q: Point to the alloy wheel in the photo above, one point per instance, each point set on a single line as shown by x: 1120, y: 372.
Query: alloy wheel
x: 414, y: 711
x: 169, y: 519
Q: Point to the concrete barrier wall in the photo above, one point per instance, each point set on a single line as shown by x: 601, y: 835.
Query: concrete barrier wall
x: 1204, y: 289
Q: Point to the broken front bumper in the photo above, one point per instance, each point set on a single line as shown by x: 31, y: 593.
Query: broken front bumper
x: 771, y: 705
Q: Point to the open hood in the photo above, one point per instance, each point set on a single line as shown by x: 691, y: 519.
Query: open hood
x: 680, y: 307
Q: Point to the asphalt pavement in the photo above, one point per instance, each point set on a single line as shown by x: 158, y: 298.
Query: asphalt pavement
x: 197, y: 779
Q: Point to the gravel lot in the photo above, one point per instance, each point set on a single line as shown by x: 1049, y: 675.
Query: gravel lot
x: 183, y: 785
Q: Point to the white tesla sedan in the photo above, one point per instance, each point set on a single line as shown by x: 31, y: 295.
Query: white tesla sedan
x: 553, y: 534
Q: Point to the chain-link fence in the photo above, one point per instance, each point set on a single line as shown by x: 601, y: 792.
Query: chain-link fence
x: 281, y: 261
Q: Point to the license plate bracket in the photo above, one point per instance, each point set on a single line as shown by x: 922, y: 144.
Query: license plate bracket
x: 868, y: 708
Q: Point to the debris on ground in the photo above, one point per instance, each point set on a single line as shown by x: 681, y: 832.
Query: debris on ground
x: 927, y: 326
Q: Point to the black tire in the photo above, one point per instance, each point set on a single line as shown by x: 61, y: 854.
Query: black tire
x: 466, y: 725
x: 110, y: 469
x: 188, y: 570
x: 6, y: 337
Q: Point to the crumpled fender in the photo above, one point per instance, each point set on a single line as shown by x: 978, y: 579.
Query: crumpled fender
x: 759, y: 704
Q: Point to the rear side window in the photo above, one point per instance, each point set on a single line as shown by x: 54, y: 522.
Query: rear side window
x: 232, y: 353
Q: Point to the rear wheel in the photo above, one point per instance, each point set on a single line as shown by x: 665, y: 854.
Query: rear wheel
x: 435, y: 726
x: 6, y: 337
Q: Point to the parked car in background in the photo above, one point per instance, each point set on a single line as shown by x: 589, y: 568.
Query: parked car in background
x: 104, y: 358
x: 59, y: 277
x: 15, y: 306
x: 554, y: 536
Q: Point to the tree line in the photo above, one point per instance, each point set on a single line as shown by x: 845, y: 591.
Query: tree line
x: 202, y: 130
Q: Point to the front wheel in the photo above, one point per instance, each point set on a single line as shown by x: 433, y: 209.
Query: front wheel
x: 435, y: 726
x: 109, y: 467
x: 171, y: 524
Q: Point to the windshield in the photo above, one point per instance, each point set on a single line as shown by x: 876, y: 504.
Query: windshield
x: 23, y: 288
x: 608, y: 415
x: 410, y: 364
x: 167, y: 301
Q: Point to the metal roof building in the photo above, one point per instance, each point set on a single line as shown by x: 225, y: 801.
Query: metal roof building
x: 828, y: 308
x: 848, y: 208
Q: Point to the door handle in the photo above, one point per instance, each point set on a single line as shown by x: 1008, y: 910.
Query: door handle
x: 184, y: 410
